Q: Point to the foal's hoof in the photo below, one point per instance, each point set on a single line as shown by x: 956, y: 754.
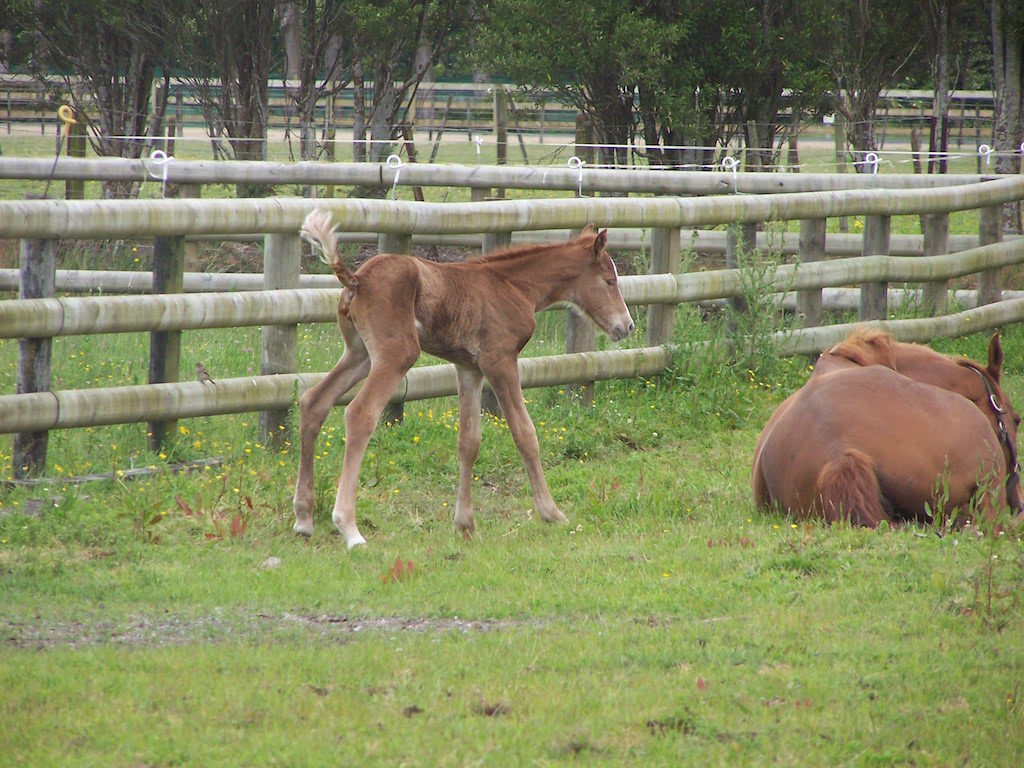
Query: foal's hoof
x: 353, y: 540
x: 303, y: 528
x: 554, y: 517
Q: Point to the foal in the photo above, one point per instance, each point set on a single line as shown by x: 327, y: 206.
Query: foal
x: 477, y: 314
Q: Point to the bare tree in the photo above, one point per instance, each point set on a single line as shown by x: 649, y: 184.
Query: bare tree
x: 225, y: 53
x: 106, y: 54
x: 314, y: 60
x: 394, y: 44
x: 1007, y: 17
x: 873, y: 44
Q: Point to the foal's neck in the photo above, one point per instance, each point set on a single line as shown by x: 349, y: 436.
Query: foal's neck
x: 539, y: 272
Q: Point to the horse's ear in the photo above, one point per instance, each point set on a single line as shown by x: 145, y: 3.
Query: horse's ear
x: 587, y: 229
x: 995, y: 357
x: 600, y: 241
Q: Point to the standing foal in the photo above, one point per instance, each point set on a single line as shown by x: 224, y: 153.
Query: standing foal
x: 479, y: 315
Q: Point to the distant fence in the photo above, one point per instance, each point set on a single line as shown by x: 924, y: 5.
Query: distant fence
x: 470, y: 108
x: 37, y: 223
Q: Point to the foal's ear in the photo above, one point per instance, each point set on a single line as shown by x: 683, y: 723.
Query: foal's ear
x: 600, y: 241
x: 995, y: 357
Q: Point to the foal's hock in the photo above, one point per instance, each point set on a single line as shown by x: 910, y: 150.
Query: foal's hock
x: 477, y: 314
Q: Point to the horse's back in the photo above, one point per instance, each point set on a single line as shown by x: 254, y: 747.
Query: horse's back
x: 868, y: 443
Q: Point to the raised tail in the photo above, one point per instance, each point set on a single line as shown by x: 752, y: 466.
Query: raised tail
x: 850, y: 491
x: 317, y: 231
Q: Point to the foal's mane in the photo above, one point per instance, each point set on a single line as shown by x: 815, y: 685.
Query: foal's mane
x: 520, y: 251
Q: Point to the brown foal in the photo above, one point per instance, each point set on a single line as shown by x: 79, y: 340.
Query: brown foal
x: 478, y: 314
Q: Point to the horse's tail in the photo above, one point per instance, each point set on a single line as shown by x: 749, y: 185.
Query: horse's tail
x: 317, y: 230
x: 850, y: 491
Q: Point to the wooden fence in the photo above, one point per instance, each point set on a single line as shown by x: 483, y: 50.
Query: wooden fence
x: 39, y: 222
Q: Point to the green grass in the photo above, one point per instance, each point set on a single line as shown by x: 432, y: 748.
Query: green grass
x: 668, y: 623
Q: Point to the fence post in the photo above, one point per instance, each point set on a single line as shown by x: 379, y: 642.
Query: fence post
x: 165, y: 346
x: 874, y: 297
x: 739, y: 239
x: 501, y: 130
x: 935, y: 294
x: 393, y: 242
x: 989, y: 231
x: 74, y: 189
x: 38, y: 271
x: 496, y: 241
x: 812, y: 248
x: 665, y: 259
x: 282, y: 255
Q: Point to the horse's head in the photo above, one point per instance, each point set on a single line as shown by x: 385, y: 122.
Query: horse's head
x: 992, y: 401
x: 596, y: 288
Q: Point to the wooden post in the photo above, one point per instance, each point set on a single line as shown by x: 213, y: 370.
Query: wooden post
x: 165, y: 346
x: 874, y: 297
x: 580, y: 336
x: 38, y: 270
x: 665, y: 259
x: 194, y: 192
x: 839, y: 139
x: 74, y: 189
x: 329, y: 150
x: 935, y: 294
x: 989, y: 231
x: 496, y: 241
x: 282, y: 255
x: 740, y: 239
x: 388, y: 242
x: 501, y: 131
x: 812, y: 248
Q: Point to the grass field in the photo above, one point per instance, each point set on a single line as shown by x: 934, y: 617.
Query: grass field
x: 170, y: 619
x: 176, y: 620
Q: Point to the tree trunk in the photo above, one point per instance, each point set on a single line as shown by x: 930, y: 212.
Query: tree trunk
x: 1007, y: 54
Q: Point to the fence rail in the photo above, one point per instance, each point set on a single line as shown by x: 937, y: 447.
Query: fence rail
x: 283, y: 304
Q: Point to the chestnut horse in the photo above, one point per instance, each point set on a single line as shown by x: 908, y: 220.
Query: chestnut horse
x: 477, y: 314
x: 885, y: 430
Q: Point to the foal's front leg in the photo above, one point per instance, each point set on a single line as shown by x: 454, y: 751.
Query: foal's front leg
x: 470, y: 385
x: 504, y: 378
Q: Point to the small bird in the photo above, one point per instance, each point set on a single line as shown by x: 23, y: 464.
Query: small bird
x: 202, y: 374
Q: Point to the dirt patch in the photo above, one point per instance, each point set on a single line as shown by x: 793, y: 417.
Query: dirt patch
x: 171, y: 630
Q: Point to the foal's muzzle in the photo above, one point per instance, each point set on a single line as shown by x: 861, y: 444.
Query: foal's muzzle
x: 621, y: 329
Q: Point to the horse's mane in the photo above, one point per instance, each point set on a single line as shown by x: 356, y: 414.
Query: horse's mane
x: 866, y: 346
x: 520, y: 251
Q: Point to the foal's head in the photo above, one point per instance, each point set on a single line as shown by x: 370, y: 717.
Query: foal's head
x: 596, y: 288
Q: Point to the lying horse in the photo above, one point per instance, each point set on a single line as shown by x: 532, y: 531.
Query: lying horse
x: 885, y: 430
x: 477, y: 314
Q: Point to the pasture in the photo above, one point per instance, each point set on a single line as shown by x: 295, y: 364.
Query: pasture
x: 163, y: 613
x: 172, y: 619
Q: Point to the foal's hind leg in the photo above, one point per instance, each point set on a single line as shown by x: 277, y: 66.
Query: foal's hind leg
x: 387, y: 368
x: 314, y: 406
x: 470, y: 382
x: 504, y: 378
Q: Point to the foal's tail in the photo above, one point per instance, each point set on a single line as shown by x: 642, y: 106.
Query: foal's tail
x: 850, y: 491
x: 317, y: 230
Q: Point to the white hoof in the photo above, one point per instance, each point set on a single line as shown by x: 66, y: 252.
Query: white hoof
x: 353, y: 540
x: 303, y: 527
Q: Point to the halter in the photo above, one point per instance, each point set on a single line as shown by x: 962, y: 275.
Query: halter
x: 1012, y: 464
